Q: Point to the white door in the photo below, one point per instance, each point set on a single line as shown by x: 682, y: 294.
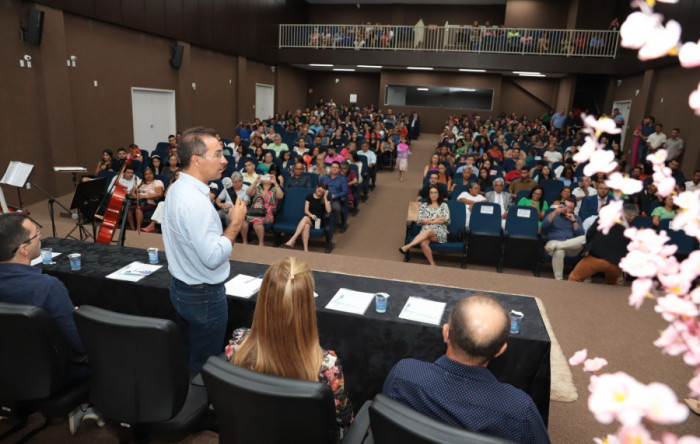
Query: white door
x: 153, y: 111
x: 624, y: 107
x: 264, y: 101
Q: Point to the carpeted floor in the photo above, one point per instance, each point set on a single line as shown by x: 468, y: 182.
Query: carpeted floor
x: 581, y: 315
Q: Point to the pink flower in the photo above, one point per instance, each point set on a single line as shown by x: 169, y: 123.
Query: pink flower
x: 626, y: 185
x: 695, y: 295
x: 694, y: 384
x: 672, y: 307
x: 590, y: 145
x: 610, y: 215
x: 578, y: 357
x: 670, y: 438
x: 661, y: 41
x: 616, y: 396
x: 594, y: 365
x: 658, y: 158
x: 601, y: 125
x: 634, y: 32
x: 688, y: 215
x: 641, y: 289
x: 689, y: 55
x: 601, y: 161
x: 694, y: 100
x: 663, y: 406
x: 671, y: 342
x: 649, y: 241
x: 610, y: 439
x: 640, y: 264
x: 677, y: 284
x: 635, y: 434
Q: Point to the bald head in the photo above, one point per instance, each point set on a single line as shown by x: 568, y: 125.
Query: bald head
x: 478, y: 329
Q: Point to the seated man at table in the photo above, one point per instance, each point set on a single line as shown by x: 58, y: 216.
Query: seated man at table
x: 458, y: 389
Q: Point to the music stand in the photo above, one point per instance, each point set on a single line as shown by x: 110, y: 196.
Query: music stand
x: 86, y: 200
x: 17, y: 175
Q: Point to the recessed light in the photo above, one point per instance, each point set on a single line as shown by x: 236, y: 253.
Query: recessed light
x: 471, y: 70
x: 422, y: 89
x: 532, y: 75
x: 320, y: 65
x: 527, y: 73
x: 370, y: 66
x: 420, y: 68
x: 344, y: 69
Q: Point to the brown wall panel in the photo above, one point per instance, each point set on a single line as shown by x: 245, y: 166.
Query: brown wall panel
x: 366, y: 86
x: 156, y: 18
x: 213, y: 103
x: 109, y: 10
x: 255, y: 72
x: 527, y: 96
x: 400, y: 14
x: 537, y: 13
x: 134, y: 13
x: 291, y: 88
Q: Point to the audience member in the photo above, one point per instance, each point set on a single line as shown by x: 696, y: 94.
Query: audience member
x: 500, y: 197
x: 657, y: 139
x: 277, y: 146
x: 693, y: 184
x: 675, y: 146
x: 458, y: 389
x: 665, y: 211
x: 316, y: 207
x: 565, y: 235
x: 105, y: 163
x: 248, y: 173
x: 433, y: 217
x: 536, y: 200
x: 605, y: 251
x: 591, y: 205
x: 283, y: 339
x: 525, y: 182
x: 338, y: 191
x: 584, y: 189
x: 264, y: 195
x: 298, y: 179
x: 469, y: 198
x: 371, y: 165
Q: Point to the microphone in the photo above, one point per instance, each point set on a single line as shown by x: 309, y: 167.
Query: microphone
x: 228, y: 184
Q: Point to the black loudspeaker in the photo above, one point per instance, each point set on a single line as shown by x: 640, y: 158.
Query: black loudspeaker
x: 176, y: 61
x: 35, y: 24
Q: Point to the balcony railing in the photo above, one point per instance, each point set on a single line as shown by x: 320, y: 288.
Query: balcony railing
x: 559, y: 42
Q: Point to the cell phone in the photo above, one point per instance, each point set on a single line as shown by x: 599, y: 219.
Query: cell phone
x: 265, y: 177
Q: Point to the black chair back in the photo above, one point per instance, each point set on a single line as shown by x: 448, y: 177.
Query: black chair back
x: 255, y: 408
x: 392, y: 422
x: 139, y: 368
x: 33, y: 354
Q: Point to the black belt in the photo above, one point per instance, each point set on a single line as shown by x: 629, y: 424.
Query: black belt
x: 198, y: 285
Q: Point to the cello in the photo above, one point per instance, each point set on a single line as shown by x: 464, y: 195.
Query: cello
x: 110, y: 219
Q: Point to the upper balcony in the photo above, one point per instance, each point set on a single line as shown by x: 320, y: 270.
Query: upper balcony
x: 451, y: 46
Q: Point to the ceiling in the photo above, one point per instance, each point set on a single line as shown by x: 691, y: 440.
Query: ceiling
x: 307, y: 67
x: 409, y: 2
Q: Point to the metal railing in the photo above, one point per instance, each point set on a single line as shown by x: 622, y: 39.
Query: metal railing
x: 559, y: 42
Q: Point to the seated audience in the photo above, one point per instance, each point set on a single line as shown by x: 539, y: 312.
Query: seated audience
x: 283, y: 339
x: 584, y: 189
x: 171, y: 167
x: 432, y: 165
x: 458, y: 389
x: 157, y: 216
x: 433, y: 217
x: 298, y: 179
x: 605, y: 251
x: 500, y: 197
x: 536, y: 200
x: 105, y: 163
x: 146, y: 194
x: 277, y: 146
x: 338, y: 193
x: 591, y: 205
x: 316, y: 207
x: 525, y: 182
x: 565, y: 235
x: 156, y: 164
x: 264, y: 195
x: 665, y: 211
x: 249, y: 175
x: 693, y: 184
x: 469, y: 198
x: 228, y: 196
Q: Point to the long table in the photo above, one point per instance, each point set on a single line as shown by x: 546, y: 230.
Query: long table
x: 368, y: 345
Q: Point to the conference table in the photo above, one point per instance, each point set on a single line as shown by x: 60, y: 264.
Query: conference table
x: 368, y: 345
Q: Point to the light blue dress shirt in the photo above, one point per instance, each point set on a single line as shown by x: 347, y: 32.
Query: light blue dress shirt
x: 197, y: 252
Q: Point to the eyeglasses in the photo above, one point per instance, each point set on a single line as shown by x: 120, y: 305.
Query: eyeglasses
x: 217, y: 155
x: 38, y: 234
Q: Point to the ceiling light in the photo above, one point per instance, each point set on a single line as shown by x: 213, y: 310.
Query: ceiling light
x: 370, y: 66
x: 321, y: 65
x: 422, y: 68
x: 526, y: 73
x: 344, y: 69
x: 532, y: 75
x: 471, y: 70
x: 423, y: 89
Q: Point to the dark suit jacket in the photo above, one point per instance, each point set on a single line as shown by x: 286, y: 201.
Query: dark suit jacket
x: 589, y: 206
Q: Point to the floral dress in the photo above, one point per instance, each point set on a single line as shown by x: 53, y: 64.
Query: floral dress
x: 269, y: 203
x: 427, y: 212
x: 330, y: 373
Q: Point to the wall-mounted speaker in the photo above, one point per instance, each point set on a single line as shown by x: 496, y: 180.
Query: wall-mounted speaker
x: 35, y: 23
x: 176, y: 61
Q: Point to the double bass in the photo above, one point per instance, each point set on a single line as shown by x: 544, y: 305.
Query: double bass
x: 110, y: 219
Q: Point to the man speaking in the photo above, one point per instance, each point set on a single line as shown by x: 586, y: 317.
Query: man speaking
x: 197, y: 247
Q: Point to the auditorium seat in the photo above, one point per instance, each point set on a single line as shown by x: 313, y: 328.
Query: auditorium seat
x: 521, y: 240
x: 140, y: 378
x: 484, y: 232
x: 254, y: 408
x: 289, y: 216
x: 686, y: 244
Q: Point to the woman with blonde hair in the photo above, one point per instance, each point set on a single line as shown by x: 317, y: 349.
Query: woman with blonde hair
x: 283, y: 340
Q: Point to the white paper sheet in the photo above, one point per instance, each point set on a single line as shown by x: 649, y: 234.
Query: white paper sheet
x: 243, y: 286
x: 134, y: 272
x: 350, y: 301
x: 523, y: 213
x: 423, y: 310
x: 37, y: 260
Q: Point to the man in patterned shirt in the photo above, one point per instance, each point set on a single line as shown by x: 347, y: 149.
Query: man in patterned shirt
x: 458, y: 389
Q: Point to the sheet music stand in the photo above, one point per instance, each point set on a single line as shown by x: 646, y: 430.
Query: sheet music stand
x: 86, y: 200
x: 17, y: 175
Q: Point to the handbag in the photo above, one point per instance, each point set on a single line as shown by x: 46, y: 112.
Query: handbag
x: 257, y: 208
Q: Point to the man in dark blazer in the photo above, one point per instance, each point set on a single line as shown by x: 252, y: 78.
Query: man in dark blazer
x: 592, y: 204
x: 414, y: 126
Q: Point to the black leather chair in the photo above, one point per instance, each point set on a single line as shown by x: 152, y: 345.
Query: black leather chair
x: 140, y: 379
x: 392, y: 422
x: 254, y: 408
x: 34, y: 361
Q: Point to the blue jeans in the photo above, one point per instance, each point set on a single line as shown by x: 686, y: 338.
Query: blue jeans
x: 202, y: 317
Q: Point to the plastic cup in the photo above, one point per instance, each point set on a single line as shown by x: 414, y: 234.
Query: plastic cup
x: 46, y: 256
x: 380, y: 301
x: 152, y: 255
x: 75, y: 264
x: 516, y: 319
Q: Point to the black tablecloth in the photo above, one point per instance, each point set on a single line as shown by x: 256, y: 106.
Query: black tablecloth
x: 368, y: 345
